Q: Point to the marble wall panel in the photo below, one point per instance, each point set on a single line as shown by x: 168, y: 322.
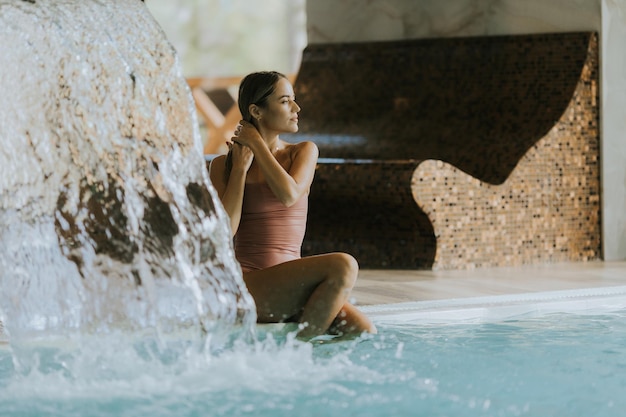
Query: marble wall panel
x: 356, y: 21
x: 614, y: 128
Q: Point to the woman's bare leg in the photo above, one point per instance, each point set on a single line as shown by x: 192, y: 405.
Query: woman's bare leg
x: 314, y: 288
x: 351, y: 320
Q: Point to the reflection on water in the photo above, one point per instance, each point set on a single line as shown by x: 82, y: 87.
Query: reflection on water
x: 107, y: 217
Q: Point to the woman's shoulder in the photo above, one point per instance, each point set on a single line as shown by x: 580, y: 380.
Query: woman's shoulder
x: 218, y: 160
x: 217, y: 165
x: 306, y: 147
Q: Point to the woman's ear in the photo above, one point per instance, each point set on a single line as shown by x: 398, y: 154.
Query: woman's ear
x: 255, y: 112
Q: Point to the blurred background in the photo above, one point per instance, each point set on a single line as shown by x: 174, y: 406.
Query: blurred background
x: 220, y: 41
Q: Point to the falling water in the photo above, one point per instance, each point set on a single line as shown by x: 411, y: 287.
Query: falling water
x: 107, y: 217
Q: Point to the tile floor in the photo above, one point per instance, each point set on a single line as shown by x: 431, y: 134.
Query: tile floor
x: 375, y: 287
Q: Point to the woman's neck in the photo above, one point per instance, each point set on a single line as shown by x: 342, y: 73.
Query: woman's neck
x: 272, y: 140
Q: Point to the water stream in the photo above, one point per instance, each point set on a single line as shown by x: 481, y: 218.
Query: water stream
x: 108, y: 221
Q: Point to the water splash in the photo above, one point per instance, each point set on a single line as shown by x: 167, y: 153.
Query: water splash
x: 107, y: 216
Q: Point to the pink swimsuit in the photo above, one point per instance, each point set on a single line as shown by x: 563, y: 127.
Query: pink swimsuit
x: 269, y: 233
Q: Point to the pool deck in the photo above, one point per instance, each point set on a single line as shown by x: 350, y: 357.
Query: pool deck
x: 484, y: 293
x: 382, y: 287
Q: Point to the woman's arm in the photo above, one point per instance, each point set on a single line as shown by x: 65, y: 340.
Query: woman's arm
x: 288, y: 186
x: 230, y: 190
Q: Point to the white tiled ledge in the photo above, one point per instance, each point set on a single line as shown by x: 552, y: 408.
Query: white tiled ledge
x: 500, y: 307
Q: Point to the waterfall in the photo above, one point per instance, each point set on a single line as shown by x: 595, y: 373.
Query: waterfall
x: 107, y: 216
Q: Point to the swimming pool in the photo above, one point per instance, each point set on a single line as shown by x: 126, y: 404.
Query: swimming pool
x: 548, y: 354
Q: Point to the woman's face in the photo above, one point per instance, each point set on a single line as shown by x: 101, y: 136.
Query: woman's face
x: 281, y: 111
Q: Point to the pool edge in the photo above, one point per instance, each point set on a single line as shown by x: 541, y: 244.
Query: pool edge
x: 500, y: 307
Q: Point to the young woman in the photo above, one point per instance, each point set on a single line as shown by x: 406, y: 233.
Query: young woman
x: 263, y: 184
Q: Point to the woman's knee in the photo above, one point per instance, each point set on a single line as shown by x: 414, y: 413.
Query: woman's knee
x: 344, y: 266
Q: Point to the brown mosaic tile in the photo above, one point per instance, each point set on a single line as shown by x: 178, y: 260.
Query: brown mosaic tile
x: 367, y: 209
x: 548, y: 209
x: 520, y: 111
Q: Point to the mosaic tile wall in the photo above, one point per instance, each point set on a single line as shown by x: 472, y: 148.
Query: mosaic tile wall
x: 367, y: 209
x: 548, y: 209
x: 507, y: 119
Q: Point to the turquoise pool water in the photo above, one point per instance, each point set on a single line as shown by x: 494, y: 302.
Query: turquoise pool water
x: 540, y: 364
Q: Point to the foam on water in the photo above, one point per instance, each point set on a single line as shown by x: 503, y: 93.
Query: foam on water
x: 150, y: 377
x: 549, y: 364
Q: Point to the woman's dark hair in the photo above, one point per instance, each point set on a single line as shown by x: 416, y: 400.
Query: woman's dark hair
x: 255, y: 88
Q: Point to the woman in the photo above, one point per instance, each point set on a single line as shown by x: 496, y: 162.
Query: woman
x: 263, y: 184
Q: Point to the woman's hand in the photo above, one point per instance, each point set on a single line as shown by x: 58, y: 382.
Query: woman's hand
x: 248, y: 135
x: 242, y: 155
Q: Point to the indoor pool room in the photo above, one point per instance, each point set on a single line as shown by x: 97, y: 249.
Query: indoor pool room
x: 440, y: 231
